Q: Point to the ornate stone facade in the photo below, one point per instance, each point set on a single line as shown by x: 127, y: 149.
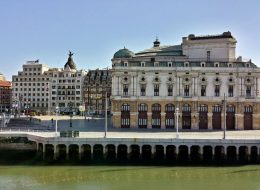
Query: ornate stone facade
x: 42, y: 89
x: 148, y: 86
x: 96, y: 84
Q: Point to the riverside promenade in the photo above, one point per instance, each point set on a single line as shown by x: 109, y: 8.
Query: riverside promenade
x: 92, y: 143
x: 237, y: 145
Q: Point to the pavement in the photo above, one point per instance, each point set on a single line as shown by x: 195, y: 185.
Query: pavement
x: 247, y: 135
x: 94, y: 128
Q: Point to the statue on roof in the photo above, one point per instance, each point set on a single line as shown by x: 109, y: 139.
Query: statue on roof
x: 70, y: 54
x: 70, y: 63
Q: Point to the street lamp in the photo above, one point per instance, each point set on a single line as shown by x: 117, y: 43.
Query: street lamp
x: 224, y: 109
x: 56, y: 124
x: 106, y: 117
x: 177, y: 123
x: 71, y: 112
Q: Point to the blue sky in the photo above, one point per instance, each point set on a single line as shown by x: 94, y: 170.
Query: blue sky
x: 95, y: 30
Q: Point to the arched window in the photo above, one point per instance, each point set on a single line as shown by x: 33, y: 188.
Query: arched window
x: 169, y: 116
x: 230, y: 117
x: 248, y: 117
x: 169, y: 108
x: 186, y: 116
x: 216, y: 117
x: 248, y: 109
x: 156, y: 116
x: 203, y: 116
x: 186, y: 108
x: 156, y: 107
x: 125, y: 116
x: 142, y: 107
x: 142, y: 115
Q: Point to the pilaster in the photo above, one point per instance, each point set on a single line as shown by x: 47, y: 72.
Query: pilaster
x: 210, y: 121
x: 239, y: 121
x: 163, y: 120
x: 149, y: 120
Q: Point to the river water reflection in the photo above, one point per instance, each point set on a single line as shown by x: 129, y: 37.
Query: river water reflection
x: 128, y: 177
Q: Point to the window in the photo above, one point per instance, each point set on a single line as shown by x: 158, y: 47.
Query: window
x: 186, y: 90
x: 170, y: 90
x: 125, y: 64
x: 143, y: 88
x: 203, y: 90
x: 169, y: 108
x: 248, y: 91
x: 216, y: 108
x: 217, y: 87
x: 230, y: 91
x: 125, y: 90
x: 142, y: 64
x: 142, y: 122
x: 208, y: 56
x: 186, y: 108
x: 125, y: 115
x: 142, y: 115
x: 142, y: 107
x: 169, y: 64
x: 156, y: 90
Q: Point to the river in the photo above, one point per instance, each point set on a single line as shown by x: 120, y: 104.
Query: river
x: 129, y: 177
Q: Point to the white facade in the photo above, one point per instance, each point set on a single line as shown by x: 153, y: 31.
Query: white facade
x: 197, y: 73
x: 31, y: 87
x: 42, y: 89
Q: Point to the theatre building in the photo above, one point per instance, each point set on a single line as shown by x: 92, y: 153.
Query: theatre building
x: 195, y: 77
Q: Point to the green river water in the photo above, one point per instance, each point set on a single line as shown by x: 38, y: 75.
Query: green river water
x: 128, y: 177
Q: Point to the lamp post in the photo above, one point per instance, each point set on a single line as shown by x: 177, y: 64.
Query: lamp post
x: 225, y: 120
x: 177, y: 122
x: 56, y: 124
x: 106, y: 116
x: 70, y: 108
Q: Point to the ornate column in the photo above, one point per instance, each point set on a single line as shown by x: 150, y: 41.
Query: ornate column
x: 163, y: 120
x: 256, y: 116
x: 210, y: 121
x: 239, y: 117
x: 194, y: 116
x: 133, y: 119
x: 149, y: 120
x: 195, y: 120
x: 210, y: 114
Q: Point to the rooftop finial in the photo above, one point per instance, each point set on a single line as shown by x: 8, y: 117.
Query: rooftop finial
x: 156, y: 43
x: 70, y: 54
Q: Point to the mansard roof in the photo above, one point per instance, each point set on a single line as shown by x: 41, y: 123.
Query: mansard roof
x: 175, y: 50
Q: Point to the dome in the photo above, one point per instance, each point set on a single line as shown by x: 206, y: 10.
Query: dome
x: 124, y: 53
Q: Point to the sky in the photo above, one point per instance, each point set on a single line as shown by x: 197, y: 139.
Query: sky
x: 94, y: 30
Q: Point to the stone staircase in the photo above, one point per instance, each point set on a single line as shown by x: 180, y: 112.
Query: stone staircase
x: 25, y: 123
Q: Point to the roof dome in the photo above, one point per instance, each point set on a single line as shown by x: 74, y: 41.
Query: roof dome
x: 124, y: 53
x: 70, y: 63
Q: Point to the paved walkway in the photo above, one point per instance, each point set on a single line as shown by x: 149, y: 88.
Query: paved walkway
x: 153, y: 135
